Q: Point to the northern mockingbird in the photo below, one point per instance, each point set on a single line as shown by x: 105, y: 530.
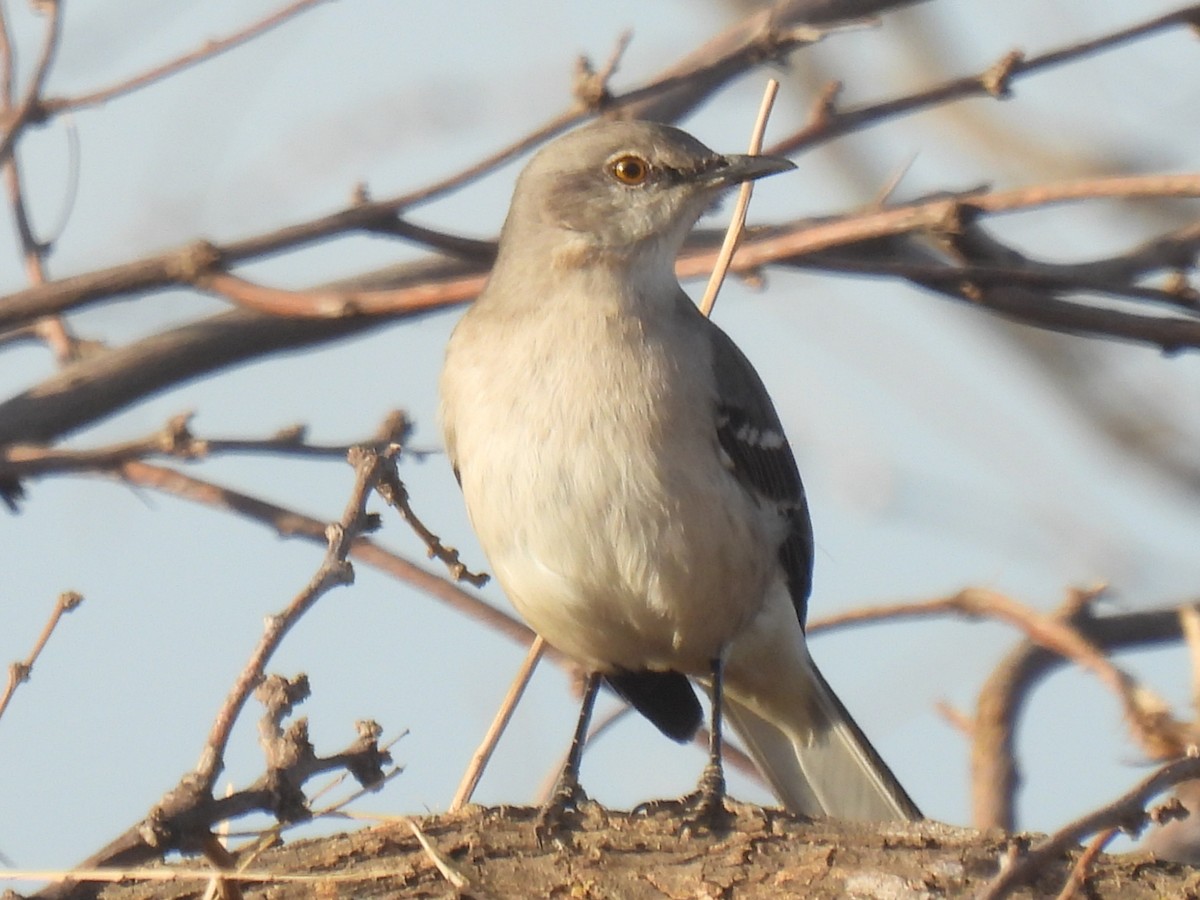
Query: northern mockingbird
x: 628, y: 477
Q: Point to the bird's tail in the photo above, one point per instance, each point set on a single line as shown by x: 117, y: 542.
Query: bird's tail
x: 814, y: 756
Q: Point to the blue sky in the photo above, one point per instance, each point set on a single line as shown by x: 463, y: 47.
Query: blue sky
x: 937, y: 448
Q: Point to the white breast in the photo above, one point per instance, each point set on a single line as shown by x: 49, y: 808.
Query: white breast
x: 605, y: 511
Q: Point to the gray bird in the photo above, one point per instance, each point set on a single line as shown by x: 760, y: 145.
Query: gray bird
x: 629, y: 479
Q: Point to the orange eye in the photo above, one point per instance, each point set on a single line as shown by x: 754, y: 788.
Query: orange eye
x: 630, y: 169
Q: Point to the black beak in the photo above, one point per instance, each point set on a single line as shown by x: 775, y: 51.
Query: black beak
x: 738, y: 167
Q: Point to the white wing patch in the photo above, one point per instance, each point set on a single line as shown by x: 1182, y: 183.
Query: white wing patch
x: 762, y: 438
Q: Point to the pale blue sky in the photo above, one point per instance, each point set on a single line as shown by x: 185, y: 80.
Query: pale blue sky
x: 935, y: 451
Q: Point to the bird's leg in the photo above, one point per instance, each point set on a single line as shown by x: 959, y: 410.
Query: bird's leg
x: 708, y: 800
x: 568, y: 794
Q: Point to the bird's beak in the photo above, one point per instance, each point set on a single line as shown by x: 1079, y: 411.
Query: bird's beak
x: 739, y: 167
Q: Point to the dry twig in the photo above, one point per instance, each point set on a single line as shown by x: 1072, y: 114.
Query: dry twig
x: 1077, y: 880
x: 738, y: 221
x: 1127, y: 813
x: 20, y: 671
x: 53, y: 106
x: 17, y: 119
x: 1072, y: 634
x: 508, y: 705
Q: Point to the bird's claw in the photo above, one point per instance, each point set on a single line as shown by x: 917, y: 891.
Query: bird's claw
x: 704, y: 809
x: 559, y: 816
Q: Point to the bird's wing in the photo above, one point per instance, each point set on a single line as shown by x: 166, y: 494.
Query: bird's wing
x: 749, y: 431
x: 808, y: 746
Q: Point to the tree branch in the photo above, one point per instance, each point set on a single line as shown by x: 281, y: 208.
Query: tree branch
x: 28, y: 111
x: 53, y: 106
x: 827, y: 123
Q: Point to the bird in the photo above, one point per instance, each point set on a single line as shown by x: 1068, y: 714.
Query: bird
x: 628, y: 478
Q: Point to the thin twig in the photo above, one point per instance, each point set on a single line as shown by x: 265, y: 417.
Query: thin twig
x: 590, y: 87
x: 209, y: 49
x: 113, y: 874
x: 51, y: 330
x: 220, y: 887
x: 955, y: 717
x: 1077, y: 880
x: 443, y: 865
x: 483, y: 754
x: 292, y: 523
x: 335, y: 570
x: 738, y: 222
x: 1127, y: 812
x: 175, y: 440
x: 392, y: 489
x: 29, y: 109
x: 335, y: 304
x: 20, y: 671
x: 994, y: 81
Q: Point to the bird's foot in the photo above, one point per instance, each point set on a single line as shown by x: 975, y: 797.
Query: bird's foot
x: 703, y: 809
x: 561, y: 813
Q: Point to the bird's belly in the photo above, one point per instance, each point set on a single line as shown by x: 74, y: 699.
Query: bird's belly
x: 622, y: 557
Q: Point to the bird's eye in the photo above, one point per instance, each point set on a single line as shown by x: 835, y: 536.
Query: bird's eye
x: 630, y: 169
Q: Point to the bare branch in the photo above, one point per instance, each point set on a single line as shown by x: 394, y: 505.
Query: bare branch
x: 1079, y: 873
x: 20, y: 671
x: 289, y: 523
x: 995, y: 81
x: 479, y: 760
x: 175, y: 440
x: 1127, y: 812
x: 53, y: 106
x: 14, y: 121
x: 392, y: 489
x: 334, y: 304
x: 739, y: 49
x: 334, y: 571
x: 1073, y: 634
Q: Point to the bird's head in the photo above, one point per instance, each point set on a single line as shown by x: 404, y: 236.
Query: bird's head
x: 623, y: 189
